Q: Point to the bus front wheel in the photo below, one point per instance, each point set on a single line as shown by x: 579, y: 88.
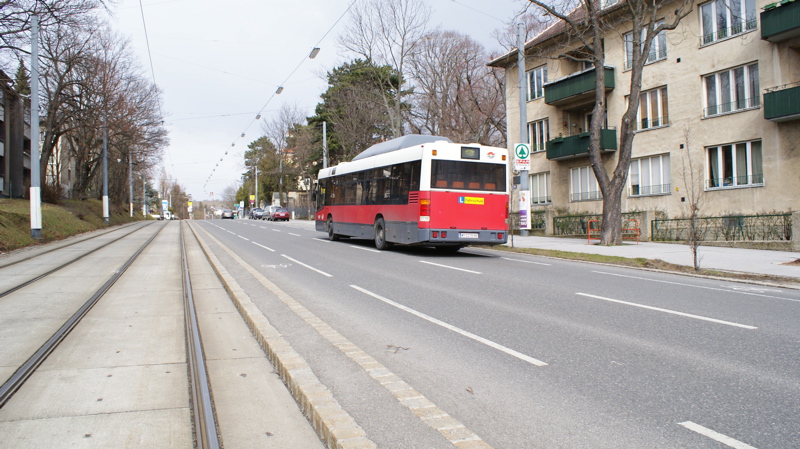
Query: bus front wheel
x: 329, y: 225
x: 380, y: 234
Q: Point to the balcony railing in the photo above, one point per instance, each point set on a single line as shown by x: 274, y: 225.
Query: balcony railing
x: 578, y: 145
x: 780, y: 21
x: 586, y: 196
x: 653, y: 122
x: 541, y: 200
x: 735, y: 181
x: 639, y: 190
x: 782, y: 103
x: 576, y: 86
x: 738, y: 105
x: 722, y: 33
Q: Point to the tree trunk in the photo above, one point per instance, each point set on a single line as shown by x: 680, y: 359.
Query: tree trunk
x: 611, y: 231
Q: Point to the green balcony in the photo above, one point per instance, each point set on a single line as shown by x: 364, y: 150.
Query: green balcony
x: 578, y: 145
x: 781, y: 21
x: 576, y: 87
x: 782, y: 104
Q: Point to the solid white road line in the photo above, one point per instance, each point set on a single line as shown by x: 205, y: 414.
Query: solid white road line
x: 731, y: 290
x: 457, y: 330
x: 526, y: 261
x: 452, y: 268
x: 724, y: 439
x: 307, y: 266
x: 364, y: 249
x: 265, y: 247
x: 658, y: 309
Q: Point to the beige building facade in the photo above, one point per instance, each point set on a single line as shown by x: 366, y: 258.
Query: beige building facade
x: 721, y: 90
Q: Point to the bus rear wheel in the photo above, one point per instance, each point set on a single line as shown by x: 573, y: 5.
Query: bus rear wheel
x: 329, y: 225
x: 380, y: 234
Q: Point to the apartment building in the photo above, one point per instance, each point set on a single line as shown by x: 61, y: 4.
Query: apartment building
x: 15, y: 141
x: 721, y: 90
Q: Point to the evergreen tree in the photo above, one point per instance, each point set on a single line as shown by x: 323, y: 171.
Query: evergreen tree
x: 22, y: 83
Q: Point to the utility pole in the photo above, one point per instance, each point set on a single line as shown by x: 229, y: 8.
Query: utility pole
x: 130, y: 178
x: 36, y: 177
x: 523, y: 113
x: 144, y: 198
x: 280, y: 177
x: 105, y: 169
x: 324, y: 144
x: 257, y: 203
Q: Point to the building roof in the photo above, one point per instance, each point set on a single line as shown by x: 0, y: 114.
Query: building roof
x: 556, y: 29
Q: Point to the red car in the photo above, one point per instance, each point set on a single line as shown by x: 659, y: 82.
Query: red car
x: 278, y: 214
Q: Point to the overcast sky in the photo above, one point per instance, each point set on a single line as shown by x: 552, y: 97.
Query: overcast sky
x: 219, y: 63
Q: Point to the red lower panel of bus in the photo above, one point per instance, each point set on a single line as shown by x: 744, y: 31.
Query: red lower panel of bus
x: 451, y: 212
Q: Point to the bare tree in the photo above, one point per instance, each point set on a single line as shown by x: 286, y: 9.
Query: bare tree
x: 278, y: 131
x: 456, y: 95
x: 96, y: 88
x: 15, y: 18
x: 388, y: 33
x: 583, y: 30
x: 692, y: 176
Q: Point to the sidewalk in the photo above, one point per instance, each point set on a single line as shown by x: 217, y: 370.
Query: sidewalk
x: 727, y: 259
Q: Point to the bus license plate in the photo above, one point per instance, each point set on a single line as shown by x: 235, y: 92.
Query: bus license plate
x: 468, y: 235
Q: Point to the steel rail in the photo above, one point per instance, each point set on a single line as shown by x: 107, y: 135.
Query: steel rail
x: 205, y: 424
x: 22, y: 374
x: 100, y: 234
x: 37, y: 278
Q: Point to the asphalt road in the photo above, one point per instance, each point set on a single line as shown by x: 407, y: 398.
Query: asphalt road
x: 531, y: 352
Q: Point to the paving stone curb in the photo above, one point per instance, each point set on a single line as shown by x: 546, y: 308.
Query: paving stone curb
x: 334, y: 426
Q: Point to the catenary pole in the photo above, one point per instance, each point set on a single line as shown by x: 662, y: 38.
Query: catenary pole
x: 523, y: 113
x: 36, y: 177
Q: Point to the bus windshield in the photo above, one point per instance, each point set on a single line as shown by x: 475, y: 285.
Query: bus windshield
x: 461, y: 175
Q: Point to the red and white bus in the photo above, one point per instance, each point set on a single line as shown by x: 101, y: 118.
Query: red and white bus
x: 417, y: 190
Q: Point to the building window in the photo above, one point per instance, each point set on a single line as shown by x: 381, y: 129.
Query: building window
x: 731, y: 90
x: 653, y: 110
x: 583, y: 185
x: 540, y: 188
x: 724, y: 18
x: 658, y: 48
x: 650, y: 176
x: 734, y: 165
x: 536, y: 80
x: 538, y: 134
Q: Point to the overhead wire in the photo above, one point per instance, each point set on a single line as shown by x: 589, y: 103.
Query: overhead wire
x: 153, y: 74
x: 280, y: 88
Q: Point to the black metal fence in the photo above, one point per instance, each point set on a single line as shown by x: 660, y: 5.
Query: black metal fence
x: 576, y: 225
x: 732, y: 228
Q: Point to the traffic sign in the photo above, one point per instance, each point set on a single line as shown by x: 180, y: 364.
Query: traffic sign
x: 522, y: 156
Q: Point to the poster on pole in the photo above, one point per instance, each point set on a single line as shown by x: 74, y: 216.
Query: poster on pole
x: 522, y: 156
x: 524, y: 210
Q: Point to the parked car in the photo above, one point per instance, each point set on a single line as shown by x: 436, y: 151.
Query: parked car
x: 256, y: 214
x: 227, y: 213
x: 268, y: 212
x: 279, y: 214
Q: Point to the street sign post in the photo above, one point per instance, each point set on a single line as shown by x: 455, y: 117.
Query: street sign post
x: 522, y: 156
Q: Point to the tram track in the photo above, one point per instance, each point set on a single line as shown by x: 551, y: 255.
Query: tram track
x: 62, y: 266
x: 139, y: 365
x: 76, y: 240
x: 9, y: 387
